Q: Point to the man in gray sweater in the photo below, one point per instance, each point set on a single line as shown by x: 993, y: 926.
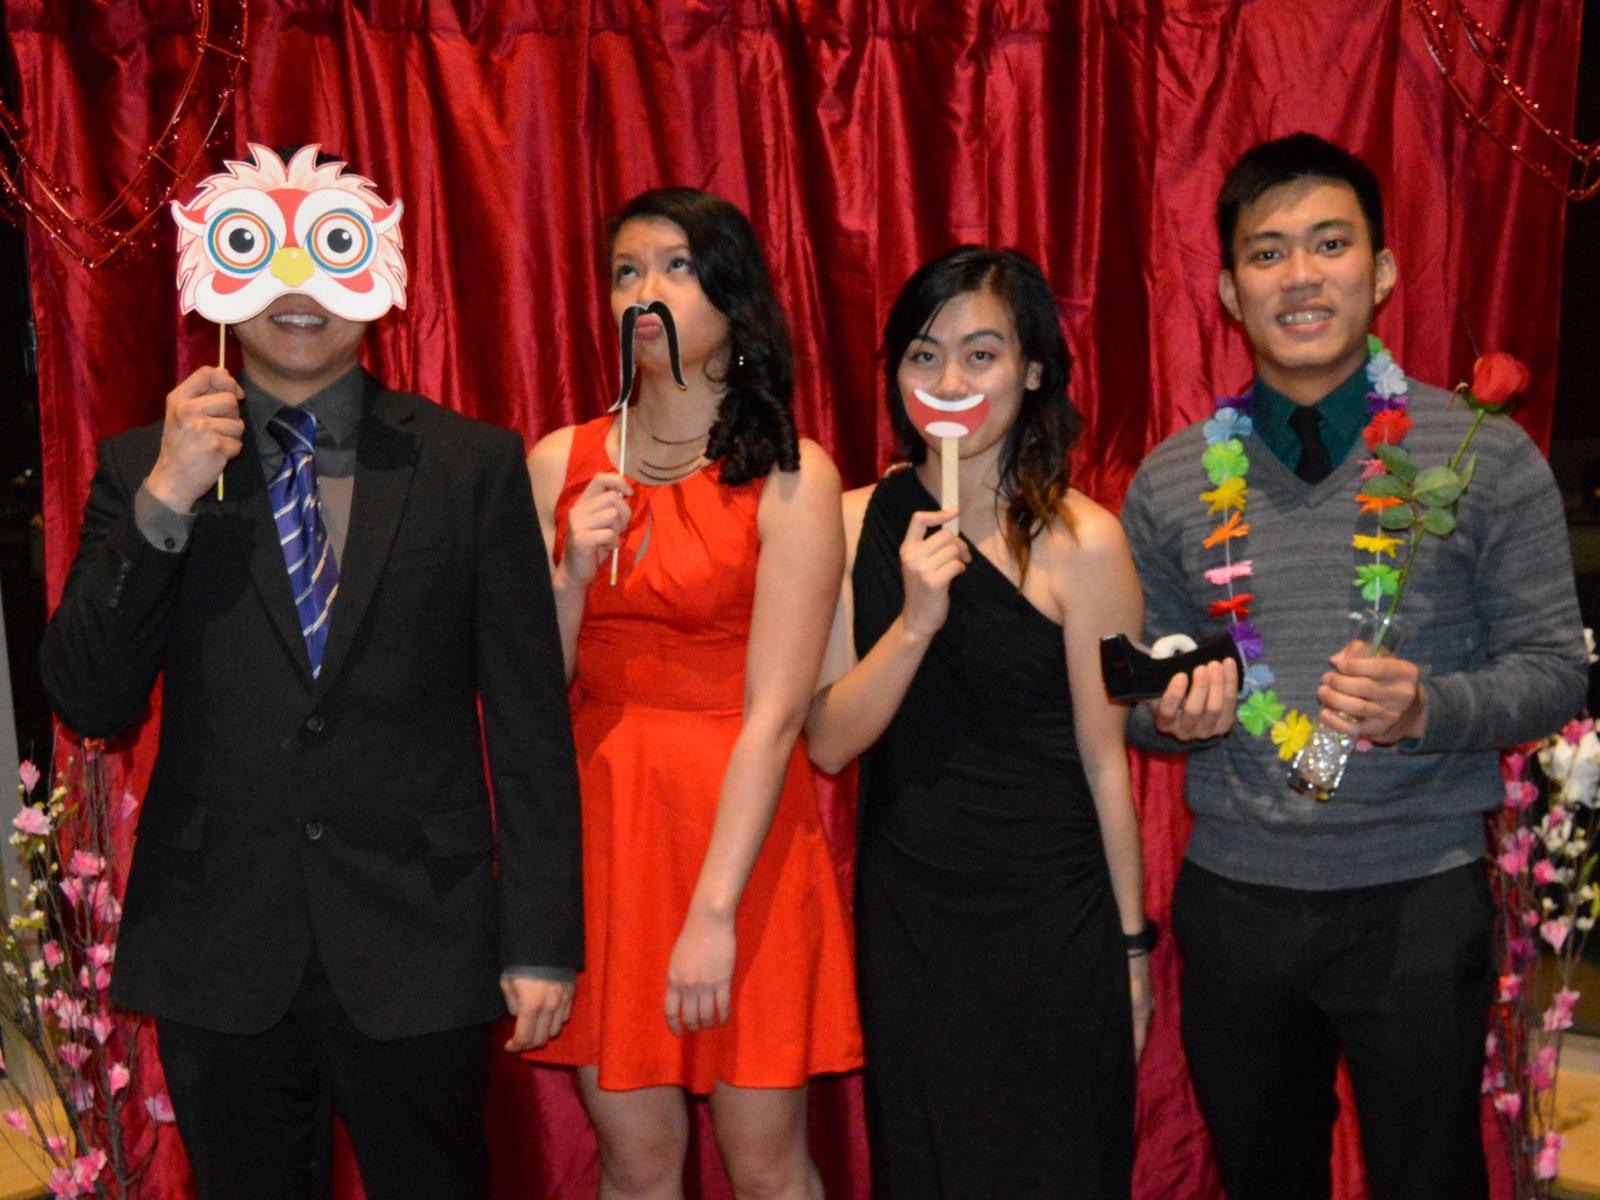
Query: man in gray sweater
x: 1361, y: 925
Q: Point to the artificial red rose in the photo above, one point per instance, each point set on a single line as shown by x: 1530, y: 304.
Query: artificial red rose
x: 1496, y: 377
x: 1388, y: 428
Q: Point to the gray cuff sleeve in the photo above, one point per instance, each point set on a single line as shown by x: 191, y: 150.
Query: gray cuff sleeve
x: 1143, y: 734
x: 164, y: 528
x: 547, y: 974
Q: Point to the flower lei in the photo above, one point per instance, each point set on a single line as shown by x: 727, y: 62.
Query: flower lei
x: 1228, y: 467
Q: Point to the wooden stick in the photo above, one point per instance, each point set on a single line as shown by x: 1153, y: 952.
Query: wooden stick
x: 950, y: 480
x: 222, y: 362
x: 622, y: 469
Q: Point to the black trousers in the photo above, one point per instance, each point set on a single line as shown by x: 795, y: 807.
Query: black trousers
x: 1277, y: 983
x: 255, y: 1111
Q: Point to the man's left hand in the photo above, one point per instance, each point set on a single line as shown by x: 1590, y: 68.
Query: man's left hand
x: 1380, y: 699
x: 541, y: 1007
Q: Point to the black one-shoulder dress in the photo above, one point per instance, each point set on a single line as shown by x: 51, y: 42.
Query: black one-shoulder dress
x: 991, y: 969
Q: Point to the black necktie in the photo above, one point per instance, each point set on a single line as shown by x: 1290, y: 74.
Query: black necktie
x: 1314, y: 465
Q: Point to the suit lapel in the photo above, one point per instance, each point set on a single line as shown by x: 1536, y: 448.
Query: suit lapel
x: 248, y: 510
x: 386, y: 456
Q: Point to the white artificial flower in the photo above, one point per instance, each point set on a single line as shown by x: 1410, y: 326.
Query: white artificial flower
x: 1387, y: 379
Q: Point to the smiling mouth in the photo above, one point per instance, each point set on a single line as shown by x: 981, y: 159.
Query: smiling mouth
x: 1304, y: 316
x: 299, y: 320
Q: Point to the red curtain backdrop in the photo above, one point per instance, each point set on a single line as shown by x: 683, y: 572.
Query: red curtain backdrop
x: 863, y: 136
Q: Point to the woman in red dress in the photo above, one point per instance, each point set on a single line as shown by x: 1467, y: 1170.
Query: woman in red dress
x: 718, y: 952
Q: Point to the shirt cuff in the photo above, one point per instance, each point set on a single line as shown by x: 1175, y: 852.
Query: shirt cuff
x: 164, y: 528
x: 545, y: 974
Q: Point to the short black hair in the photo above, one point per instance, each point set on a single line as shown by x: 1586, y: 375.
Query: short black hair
x: 285, y: 153
x: 1285, y: 160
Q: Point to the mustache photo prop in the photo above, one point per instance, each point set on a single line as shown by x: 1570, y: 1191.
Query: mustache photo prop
x: 1132, y: 673
x: 627, y: 327
x: 949, y: 421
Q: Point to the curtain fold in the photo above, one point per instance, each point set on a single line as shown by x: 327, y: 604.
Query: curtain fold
x: 862, y: 136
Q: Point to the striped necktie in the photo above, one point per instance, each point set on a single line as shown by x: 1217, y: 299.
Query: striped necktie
x: 313, y: 573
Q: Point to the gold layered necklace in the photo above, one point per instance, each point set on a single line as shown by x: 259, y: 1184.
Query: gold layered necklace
x: 664, y: 473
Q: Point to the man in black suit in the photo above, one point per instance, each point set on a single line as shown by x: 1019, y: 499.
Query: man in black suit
x: 320, y: 906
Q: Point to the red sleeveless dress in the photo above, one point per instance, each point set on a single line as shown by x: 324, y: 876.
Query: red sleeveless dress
x: 656, y: 707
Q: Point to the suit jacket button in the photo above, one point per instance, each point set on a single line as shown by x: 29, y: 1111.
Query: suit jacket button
x: 313, y: 831
x: 316, y: 724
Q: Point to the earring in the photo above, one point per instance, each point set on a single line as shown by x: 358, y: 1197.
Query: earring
x: 739, y: 361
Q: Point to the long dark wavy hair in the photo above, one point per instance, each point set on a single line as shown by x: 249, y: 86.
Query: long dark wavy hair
x: 1034, y: 467
x: 754, y: 430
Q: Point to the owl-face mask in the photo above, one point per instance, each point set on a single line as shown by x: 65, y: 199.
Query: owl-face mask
x: 266, y: 228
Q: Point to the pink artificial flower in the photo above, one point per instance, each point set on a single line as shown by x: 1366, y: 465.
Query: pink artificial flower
x: 130, y: 805
x: 52, y: 953
x: 1572, y: 732
x: 101, y: 1026
x: 87, y: 1169
x: 1510, y: 989
x: 1512, y: 764
x: 16, y: 1120
x: 81, y: 1094
x: 1508, y: 1104
x: 1558, y: 814
x: 72, y: 889
x: 69, y: 1012
x: 1566, y: 998
x: 1371, y: 467
x: 1556, y: 1019
x: 63, y: 1185
x: 1520, y: 794
x: 56, y: 1145
x: 1492, y: 1079
x: 1521, y: 951
x: 1514, y: 861
x: 1491, y: 1044
x: 74, y: 1054
x: 119, y: 1077
x: 1530, y: 918
x: 1555, y: 932
x: 103, y: 954
x: 1542, y: 1070
x: 1544, y: 872
x: 1545, y: 1165
x: 86, y: 865
x: 159, y: 1107
x: 31, y: 821
x: 107, y: 909
x: 102, y: 979
x: 29, y: 774
x: 1223, y: 575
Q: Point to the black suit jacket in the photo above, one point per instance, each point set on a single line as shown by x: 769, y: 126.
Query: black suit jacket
x: 350, y: 812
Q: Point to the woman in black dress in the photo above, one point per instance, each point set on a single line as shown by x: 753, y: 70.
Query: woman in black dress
x: 1000, y: 931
